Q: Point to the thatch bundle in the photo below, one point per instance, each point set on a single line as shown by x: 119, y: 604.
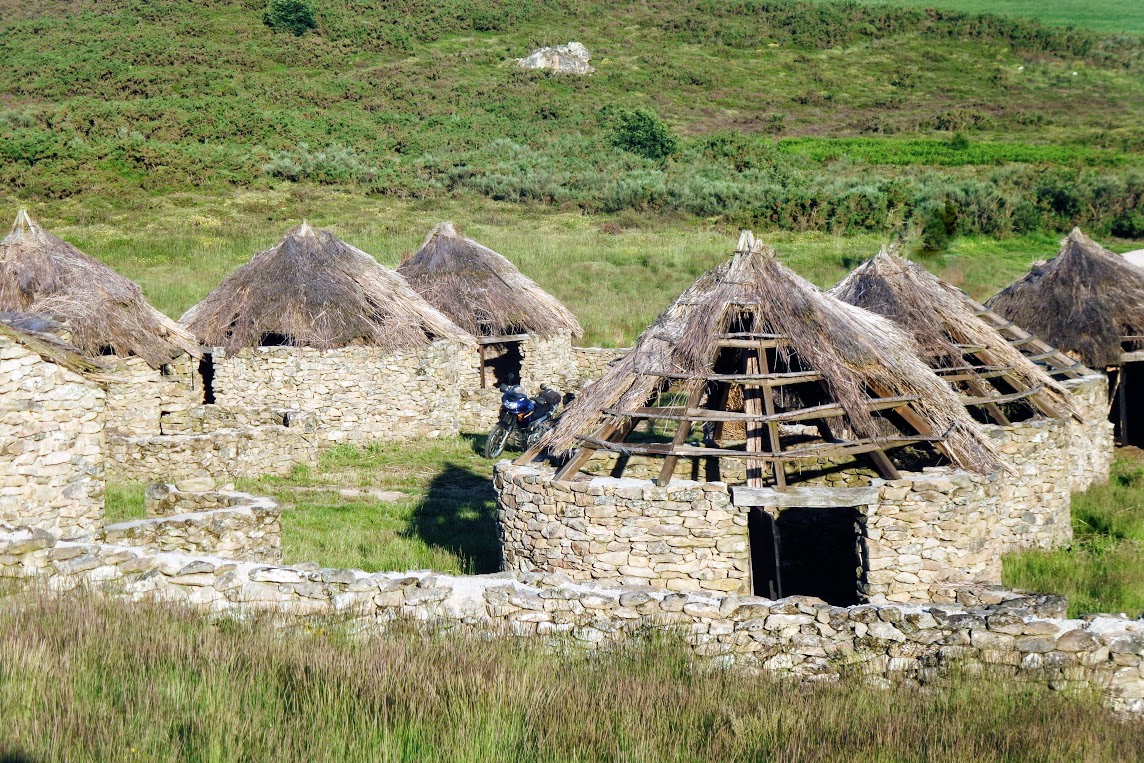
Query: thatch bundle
x: 943, y: 324
x: 313, y: 290
x: 40, y: 334
x: 481, y: 291
x: 1083, y: 301
x: 854, y: 350
x: 105, y: 312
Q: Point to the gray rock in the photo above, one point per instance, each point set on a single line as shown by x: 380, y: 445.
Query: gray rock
x: 572, y: 58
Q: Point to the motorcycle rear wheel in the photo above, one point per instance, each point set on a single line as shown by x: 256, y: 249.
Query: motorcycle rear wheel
x: 496, y: 441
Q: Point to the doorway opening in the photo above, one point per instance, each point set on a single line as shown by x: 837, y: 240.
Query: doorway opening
x: 1127, y: 414
x: 501, y: 363
x: 809, y: 552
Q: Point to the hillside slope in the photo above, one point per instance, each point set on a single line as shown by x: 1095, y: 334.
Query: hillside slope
x: 125, y: 96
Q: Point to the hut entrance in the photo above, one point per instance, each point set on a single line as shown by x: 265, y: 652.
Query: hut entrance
x: 1127, y: 414
x: 808, y: 552
x: 501, y: 360
x: 206, y: 371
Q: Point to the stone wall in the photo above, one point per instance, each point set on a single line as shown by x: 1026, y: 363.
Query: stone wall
x: 1020, y: 637
x: 140, y: 397
x: 1092, y: 448
x: 51, y: 445
x: 224, y: 523
x: 359, y: 393
x: 248, y: 444
x: 593, y: 362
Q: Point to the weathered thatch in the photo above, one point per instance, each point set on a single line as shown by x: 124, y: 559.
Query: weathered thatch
x: 313, y: 290
x: 977, y: 360
x: 104, y: 311
x: 858, y: 354
x: 1083, y: 301
x: 481, y: 291
x: 39, y: 334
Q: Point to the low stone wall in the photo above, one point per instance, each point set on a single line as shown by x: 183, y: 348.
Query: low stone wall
x: 139, y: 397
x: 1020, y: 637
x: 1092, y: 446
x: 360, y: 393
x: 51, y: 445
x: 593, y: 362
x: 276, y: 444
x: 225, y: 524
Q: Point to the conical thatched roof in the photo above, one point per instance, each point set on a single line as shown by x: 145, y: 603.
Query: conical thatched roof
x: 104, y: 311
x: 859, y: 362
x: 314, y: 290
x: 972, y: 356
x: 481, y: 291
x: 1084, y: 301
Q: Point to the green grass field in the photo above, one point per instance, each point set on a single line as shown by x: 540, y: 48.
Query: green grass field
x: 1112, y: 16
x: 90, y: 680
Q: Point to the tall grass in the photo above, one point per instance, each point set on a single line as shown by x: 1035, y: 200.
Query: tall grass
x: 89, y: 680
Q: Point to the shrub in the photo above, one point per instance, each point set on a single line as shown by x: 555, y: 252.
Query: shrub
x: 642, y: 132
x: 336, y: 164
x: 291, y: 15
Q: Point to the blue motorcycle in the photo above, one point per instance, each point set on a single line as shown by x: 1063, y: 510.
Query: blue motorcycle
x: 522, y: 420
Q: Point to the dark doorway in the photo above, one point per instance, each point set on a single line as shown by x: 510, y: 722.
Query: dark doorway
x: 1127, y: 413
x: 206, y: 372
x: 501, y: 364
x: 809, y: 552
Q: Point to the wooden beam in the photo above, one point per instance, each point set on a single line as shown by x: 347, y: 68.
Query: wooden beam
x: 481, y: 350
x: 506, y: 339
x: 810, y: 452
x: 681, y: 433
x: 809, y: 497
x: 771, y: 425
x: 1001, y: 398
x: 771, y: 380
x: 829, y: 410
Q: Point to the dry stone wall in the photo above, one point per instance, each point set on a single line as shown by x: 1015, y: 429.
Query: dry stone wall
x: 247, y: 444
x: 1092, y: 445
x: 222, y: 523
x: 359, y: 393
x: 593, y: 362
x: 140, y: 397
x: 51, y: 445
x: 1023, y: 638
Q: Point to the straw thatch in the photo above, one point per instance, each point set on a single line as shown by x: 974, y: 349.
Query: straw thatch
x: 481, y: 291
x: 313, y: 290
x: 953, y: 340
x: 39, y: 334
x: 1083, y: 301
x: 104, y: 311
x: 855, y: 351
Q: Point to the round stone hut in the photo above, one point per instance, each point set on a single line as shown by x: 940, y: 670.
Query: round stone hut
x: 1089, y: 302
x: 523, y: 333
x: 152, y: 360
x: 314, y: 324
x: 52, y: 414
x: 859, y: 475
x: 1018, y: 401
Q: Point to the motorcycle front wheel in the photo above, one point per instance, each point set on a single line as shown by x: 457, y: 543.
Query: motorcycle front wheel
x: 495, y: 442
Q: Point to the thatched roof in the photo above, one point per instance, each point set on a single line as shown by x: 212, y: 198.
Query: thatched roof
x: 313, y: 290
x: 39, y: 334
x: 481, y: 291
x: 1084, y: 301
x: 104, y: 311
x: 862, y: 360
x: 971, y: 355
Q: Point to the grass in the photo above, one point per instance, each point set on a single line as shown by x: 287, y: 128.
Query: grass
x: 91, y: 680
x: 123, y: 502
x: 1113, y: 16
x: 1103, y: 570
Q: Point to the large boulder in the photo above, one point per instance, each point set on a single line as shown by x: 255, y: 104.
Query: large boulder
x: 566, y: 59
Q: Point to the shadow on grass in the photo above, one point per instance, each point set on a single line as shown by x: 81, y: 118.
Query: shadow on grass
x: 459, y: 514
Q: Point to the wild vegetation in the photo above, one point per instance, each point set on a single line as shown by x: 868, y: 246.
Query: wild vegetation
x: 90, y: 680
x: 794, y: 114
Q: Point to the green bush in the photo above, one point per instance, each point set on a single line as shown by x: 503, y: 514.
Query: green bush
x: 291, y: 15
x: 642, y: 132
x: 336, y: 164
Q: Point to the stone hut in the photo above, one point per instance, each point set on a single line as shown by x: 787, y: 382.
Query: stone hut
x: 999, y: 384
x: 1089, y: 302
x: 152, y: 360
x: 52, y: 412
x: 524, y: 334
x: 318, y: 326
x: 859, y: 476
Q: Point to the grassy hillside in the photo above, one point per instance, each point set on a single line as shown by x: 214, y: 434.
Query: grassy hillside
x: 1112, y: 16
x: 791, y: 114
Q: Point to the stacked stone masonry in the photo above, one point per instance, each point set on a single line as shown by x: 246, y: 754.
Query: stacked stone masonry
x: 921, y: 532
x: 51, y: 445
x: 139, y: 397
x: 222, y: 523
x: 1020, y: 637
x: 360, y: 394
x: 219, y: 443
